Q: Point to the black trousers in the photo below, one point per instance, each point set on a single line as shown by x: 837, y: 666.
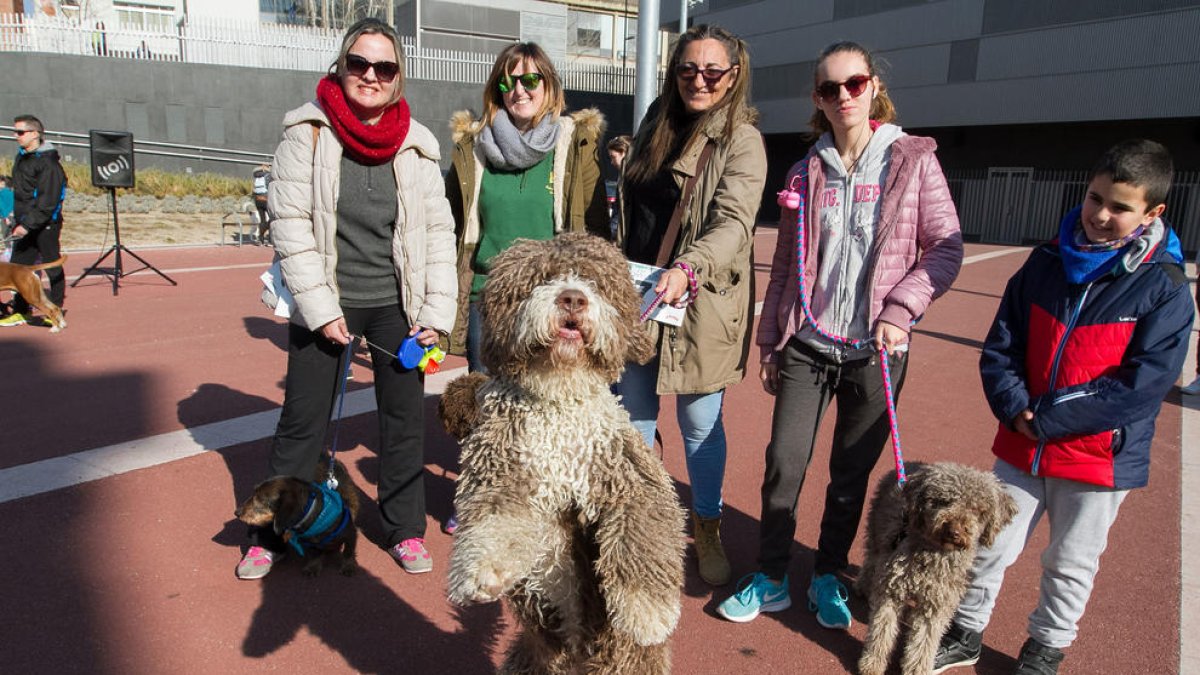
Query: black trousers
x: 25, y: 252
x: 314, y: 378
x: 807, y: 383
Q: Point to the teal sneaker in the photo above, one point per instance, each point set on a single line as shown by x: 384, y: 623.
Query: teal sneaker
x: 827, y: 597
x: 758, y: 594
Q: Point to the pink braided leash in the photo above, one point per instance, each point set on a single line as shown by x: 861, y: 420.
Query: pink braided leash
x: 794, y: 196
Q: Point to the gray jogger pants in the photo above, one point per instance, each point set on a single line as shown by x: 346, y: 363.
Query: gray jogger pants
x: 1080, y: 516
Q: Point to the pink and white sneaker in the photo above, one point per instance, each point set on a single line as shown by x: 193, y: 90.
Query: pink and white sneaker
x: 412, y: 556
x: 257, y: 563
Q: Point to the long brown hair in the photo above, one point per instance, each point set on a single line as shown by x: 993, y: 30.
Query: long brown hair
x: 882, y: 108
x: 370, y: 26
x: 672, y: 127
x: 554, y: 101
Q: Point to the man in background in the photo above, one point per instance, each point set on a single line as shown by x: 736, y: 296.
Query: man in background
x: 39, y: 188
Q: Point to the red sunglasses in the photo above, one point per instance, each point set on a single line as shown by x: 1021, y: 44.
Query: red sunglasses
x: 855, y: 86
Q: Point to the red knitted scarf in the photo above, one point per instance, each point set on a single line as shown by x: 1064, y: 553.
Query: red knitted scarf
x: 367, y: 143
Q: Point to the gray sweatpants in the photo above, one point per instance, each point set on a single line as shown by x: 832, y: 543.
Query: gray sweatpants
x: 1080, y: 516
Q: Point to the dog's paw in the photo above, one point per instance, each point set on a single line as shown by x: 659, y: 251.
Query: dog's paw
x: 348, y: 568
x: 313, y: 567
x: 869, y: 665
x: 647, y: 618
x: 488, y: 585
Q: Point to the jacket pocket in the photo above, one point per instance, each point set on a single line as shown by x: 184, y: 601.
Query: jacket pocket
x: 1117, y: 443
x: 720, y: 303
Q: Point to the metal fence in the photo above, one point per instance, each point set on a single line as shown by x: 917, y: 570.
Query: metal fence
x: 229, y: 43
x: 1022, y: 205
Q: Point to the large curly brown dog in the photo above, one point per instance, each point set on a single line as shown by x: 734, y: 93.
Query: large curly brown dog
x: 562, y: 508
x: 921, y: 541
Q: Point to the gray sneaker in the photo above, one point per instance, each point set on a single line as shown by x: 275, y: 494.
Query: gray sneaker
x: 412, y: 556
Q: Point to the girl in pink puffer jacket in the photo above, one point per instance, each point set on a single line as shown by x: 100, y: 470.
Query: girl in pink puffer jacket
x: 881, y: 240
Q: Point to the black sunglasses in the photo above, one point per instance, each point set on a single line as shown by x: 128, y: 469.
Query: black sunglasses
x: 357, y: 66
x: 855, y: 86
x: 687, y: 73
x: 530, y: 81
x: 22, y: 132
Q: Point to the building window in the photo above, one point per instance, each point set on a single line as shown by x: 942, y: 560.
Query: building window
x: 144, y: 16
x: 587, y: 33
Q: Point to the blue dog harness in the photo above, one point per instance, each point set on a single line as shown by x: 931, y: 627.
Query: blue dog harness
x: 325, y: 517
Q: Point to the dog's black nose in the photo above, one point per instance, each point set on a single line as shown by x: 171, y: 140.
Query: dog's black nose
x: 572, y: 301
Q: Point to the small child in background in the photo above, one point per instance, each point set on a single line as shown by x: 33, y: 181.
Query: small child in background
x: 1089, y: 337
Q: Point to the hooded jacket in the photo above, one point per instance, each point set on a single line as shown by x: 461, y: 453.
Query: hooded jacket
x: 1092, y: 361
x: 302, y: 198
x: 716, y: 239
x: 915, y: 255
x: 579, y: 199
x: 39, y: 187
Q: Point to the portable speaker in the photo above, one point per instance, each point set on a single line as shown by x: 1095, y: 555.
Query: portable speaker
x: 112, y: 158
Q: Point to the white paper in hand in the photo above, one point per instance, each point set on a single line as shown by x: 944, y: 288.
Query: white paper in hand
x: 645, y: 278
x: 273, y: 280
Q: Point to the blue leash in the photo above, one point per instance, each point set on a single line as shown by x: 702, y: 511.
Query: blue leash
x: 330, y: 481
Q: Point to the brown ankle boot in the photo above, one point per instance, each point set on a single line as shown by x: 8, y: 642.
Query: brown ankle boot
x: 714, y: 566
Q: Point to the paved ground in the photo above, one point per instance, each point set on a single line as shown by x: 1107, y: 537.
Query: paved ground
x: 129, y: 438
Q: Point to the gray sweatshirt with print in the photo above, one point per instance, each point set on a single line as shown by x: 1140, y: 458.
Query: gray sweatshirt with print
x: 849, y: 209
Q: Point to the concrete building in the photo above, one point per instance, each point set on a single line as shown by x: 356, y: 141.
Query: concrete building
x: 1013, y: 90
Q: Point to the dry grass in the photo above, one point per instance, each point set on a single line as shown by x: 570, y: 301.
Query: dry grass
x: 155, y: 182
x: 88, y: 230
x: 94, y: 230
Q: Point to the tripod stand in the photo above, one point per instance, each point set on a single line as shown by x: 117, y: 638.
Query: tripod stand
x: 117, y: 271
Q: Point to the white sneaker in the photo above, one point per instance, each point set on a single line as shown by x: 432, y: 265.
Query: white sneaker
x: 1193, y: 388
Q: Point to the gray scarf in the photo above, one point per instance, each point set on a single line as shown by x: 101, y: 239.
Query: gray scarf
x: 506, y: 148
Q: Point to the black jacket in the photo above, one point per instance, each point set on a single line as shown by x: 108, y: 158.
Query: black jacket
x: 39, y: 188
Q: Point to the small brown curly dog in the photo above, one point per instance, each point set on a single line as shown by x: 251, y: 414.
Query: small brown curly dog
x: 921, y: 541
x: 562, y: 509
x: 295, y: 508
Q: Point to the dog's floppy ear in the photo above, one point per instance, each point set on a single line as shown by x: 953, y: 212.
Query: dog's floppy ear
x: 292, y: 498
x: 458, y: 408
x: 1000, y: 517
x: 641, y: 345
x: 913, y: 493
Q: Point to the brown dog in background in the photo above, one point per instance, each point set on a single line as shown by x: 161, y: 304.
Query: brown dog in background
x: 24, y: 280
x: 282, y: 503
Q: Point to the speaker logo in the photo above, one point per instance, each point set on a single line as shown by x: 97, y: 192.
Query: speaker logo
x: 111, y: 170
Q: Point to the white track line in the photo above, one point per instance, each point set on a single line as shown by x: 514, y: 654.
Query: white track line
x: 61, y: 472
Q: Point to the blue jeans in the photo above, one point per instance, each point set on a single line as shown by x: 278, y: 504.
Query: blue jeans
x: 475, y: 340
x: 699, y: 422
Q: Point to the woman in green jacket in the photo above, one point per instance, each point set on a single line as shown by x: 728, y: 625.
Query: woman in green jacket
x: 525, y: 170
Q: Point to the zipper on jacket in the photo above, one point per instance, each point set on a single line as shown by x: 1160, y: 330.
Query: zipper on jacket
x: 847, y: 250
x: 1058, y: 352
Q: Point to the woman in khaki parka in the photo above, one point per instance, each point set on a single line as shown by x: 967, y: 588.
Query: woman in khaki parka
x: 703, y: 105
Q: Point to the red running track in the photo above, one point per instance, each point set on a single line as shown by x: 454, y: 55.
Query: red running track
x: 134, y: 573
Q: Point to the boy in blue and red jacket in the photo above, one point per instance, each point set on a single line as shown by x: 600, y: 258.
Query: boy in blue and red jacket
x: 1090, y: 336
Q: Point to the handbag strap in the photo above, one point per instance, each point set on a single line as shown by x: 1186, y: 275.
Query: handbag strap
x: 667, y: 246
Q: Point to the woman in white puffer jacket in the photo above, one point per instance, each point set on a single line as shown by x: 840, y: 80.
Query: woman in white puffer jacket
x: 366, y: 244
